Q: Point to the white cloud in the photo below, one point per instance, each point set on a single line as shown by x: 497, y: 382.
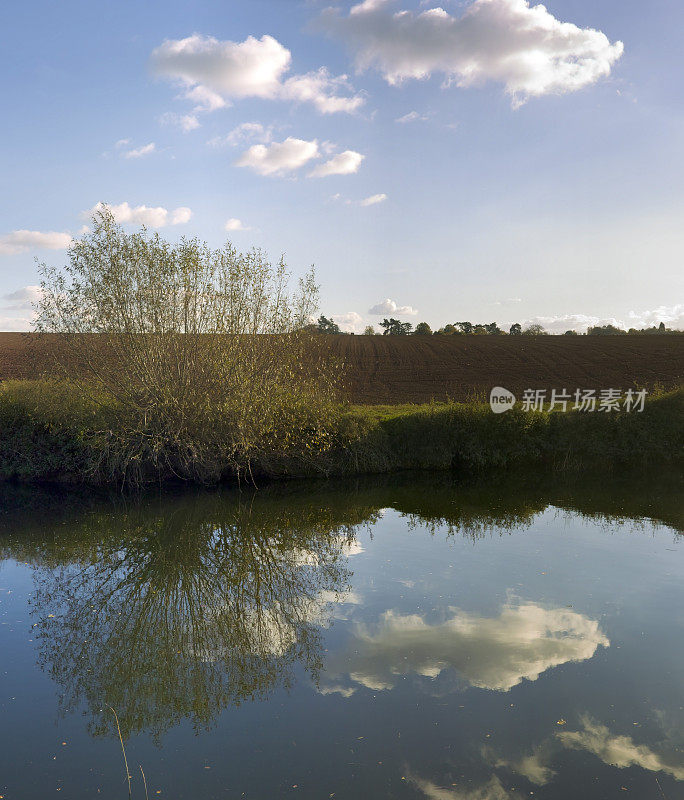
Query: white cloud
x: 495, y: 653
x: 368, y: 6
x: 121, y: 143
x: 205, y: 99
x: 21, y: 241
x: 279, y: 158
x: 16, y: 308
x: 373, y: 200
x: 345, y: 163
x: 618, y: 751
x: 412, y: 116
x: 350, y: 322
x: 186, y: 122
x: 234, y: 224
x: 320, y: 89
x: 523, y: 47
x: 672, y: 316
x: 390, y: 307
x: 181, y: 215
x: 492, y: 790
x: 139, y: 152
x: 152, y: 217
x: 214, y: 71
x: 245, y: 132
x: 23, y: 299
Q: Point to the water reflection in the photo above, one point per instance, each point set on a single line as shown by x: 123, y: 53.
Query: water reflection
x: 173, y: 612
x: 177, y: 608
x: 494, y: 653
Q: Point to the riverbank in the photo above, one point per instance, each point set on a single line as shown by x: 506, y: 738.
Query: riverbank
x: 48, y: 432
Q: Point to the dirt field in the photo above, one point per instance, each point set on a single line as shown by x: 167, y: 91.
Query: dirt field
x: 416, y: 369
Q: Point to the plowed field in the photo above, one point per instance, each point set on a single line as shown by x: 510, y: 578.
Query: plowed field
x: 416, y: 369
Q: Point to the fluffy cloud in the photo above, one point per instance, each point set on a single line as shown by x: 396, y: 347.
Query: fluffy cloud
x: 373, y: 200
x: 186, y: 122
x: 16, y: 308
x: 495, y: 653
x: 234, y: 224
x: 139, y: 152
x: 345, y: 163
x: 246, y: 132
x: 214, y: 72
x: 21, y: 241
x: 157, y: 217
x: 23, y: 299
x: 618, y: 751
x: 672, y: 316
x: 523, y: 47
x: 390, y: 307
x: 492, y: 790
x: 279, y: 158
x: 350, y: 322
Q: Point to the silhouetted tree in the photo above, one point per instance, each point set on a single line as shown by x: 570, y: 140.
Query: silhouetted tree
x: 515, y: 329
x: 534, y: 330
x: 394, y: 327
x: 423, y: 329
x: 326, y: 325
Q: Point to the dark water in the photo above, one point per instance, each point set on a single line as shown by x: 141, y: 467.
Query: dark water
x: 407, y: 638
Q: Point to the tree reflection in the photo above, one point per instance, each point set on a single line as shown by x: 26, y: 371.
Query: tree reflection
x: 172, y: 613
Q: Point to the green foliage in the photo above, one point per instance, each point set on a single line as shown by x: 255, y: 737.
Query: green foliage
x: 52, y: 432
x: 369, y: 330
x: 325, y: 325
x: 534, y: 330
x: 515, y: 329
x: 605, y: 330
x: 423, y: 329
x: 199, y: 358
x: 394, y: 327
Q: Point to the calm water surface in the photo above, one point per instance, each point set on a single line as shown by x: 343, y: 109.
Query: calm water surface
x: 405, y: 638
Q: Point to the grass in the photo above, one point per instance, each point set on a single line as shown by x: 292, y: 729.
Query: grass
x: 50, y: 432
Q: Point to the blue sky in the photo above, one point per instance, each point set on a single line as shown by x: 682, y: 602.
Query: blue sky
x: 492, y: 160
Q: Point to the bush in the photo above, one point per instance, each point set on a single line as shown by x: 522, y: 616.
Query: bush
x: 196, y: 362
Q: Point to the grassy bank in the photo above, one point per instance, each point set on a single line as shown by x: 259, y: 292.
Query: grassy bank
x: 51, y: 432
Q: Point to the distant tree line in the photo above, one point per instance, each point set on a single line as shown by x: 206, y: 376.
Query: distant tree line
x: 394, y: 327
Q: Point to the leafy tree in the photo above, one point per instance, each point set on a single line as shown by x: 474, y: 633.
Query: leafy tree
x: 326, y: 325
x: 394, y: 327
x: 199, y: 356
x: 534, y: 330
x: 570, y: 333
x: 423, y: 329
x: 515, y: 329
x: 369, y: 331
x: 605, y: 330
x: 465, y: 328
x: 661, y: 327
x: 493, y: 329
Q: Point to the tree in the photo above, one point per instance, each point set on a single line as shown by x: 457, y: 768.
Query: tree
x: 515, y: 329
x: 325, y: 325
x: 534, y: 330
x: 369, y: 330
x: 198, y: 358
x: 493, y: 329
x: 465, y: 328
x: 423, y: 329
x: 605, y: 330
x: 661, y: 327
x: 393, y: 327
x: 570, y: 333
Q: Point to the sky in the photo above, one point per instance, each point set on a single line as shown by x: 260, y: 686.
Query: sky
x: 441, y: 160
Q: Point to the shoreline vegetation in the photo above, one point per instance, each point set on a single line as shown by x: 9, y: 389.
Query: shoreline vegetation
x: 183, y: 363
x: 50, y: 431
